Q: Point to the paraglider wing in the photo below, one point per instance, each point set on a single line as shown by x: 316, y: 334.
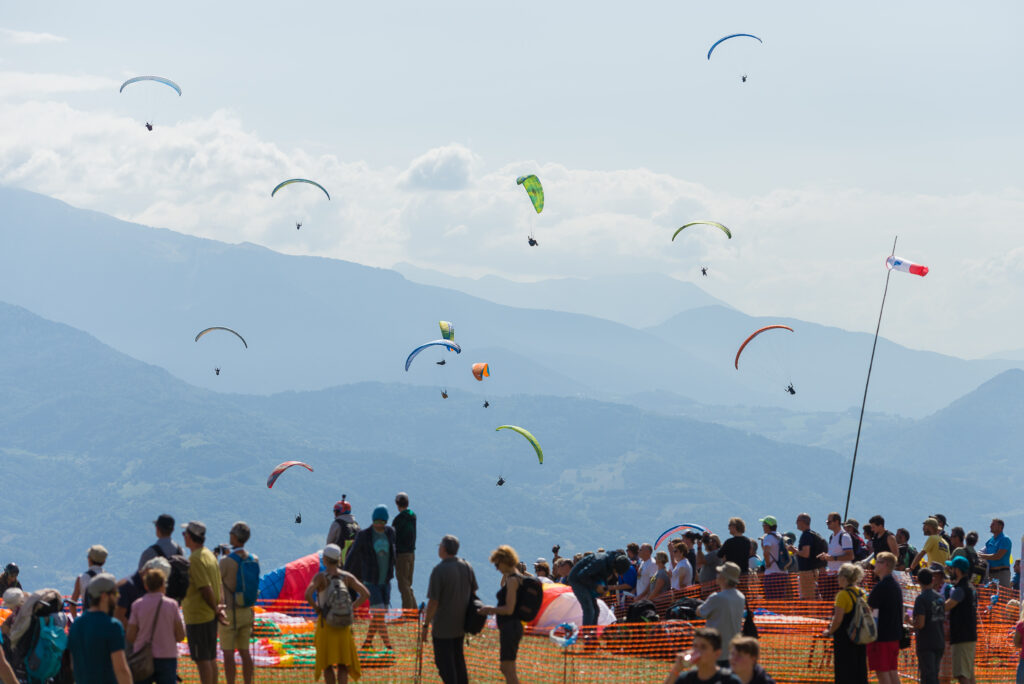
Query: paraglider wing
x: 732, y: 35
x: 447, y: 330
x: 675, y: 529
x: 534, y: 190
x: 481, y: 371
x: 703, y: 223
x: 755, y: 334
x: 530, y: 438
x: 283, y: 467
x: 217, y: 327
x: 451, y: 346
x: 290, y: 181
x: 158, y: 79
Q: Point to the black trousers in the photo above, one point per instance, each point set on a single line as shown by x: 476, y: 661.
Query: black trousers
x: 450, y: 661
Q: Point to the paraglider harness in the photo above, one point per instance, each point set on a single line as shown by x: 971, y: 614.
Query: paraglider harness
x: 531, y: 241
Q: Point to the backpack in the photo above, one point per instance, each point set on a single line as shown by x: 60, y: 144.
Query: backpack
x: 749, y: 628
x: 642, y: 611
x: 177, y: 583
x: 862, y: 629
x: 247, y: 581
x: 337, y: 602
x: 44, y: 660
x: 85, y: 594
x: 785, y: 561
x: 684, y: 609
x: 528, y: 598
x: 818, y: 547
x: 860, y: 549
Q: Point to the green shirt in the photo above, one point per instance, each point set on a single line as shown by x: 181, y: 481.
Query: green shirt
x: 202, y: 572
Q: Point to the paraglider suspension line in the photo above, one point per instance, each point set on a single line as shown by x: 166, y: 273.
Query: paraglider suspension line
x: 864, y: 401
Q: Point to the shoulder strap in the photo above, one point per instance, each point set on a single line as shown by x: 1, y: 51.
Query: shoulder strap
x: 158, y: 550
x: 152, y: 624
x: 91, y: 572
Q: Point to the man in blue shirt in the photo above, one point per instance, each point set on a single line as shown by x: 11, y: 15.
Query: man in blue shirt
x: 96, y: 639
x: 997, y: 553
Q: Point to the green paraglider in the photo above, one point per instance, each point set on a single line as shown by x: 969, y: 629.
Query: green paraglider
x: 530, y: 438
x: 534, y: 190
x: 290, y: 181
x: 703, y: 223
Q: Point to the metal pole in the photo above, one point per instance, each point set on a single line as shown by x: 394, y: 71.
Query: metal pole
x: 864, y: 401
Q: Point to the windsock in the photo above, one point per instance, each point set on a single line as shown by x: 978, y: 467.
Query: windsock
x: 895, y: 262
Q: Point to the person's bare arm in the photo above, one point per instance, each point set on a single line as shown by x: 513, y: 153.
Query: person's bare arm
x: 218, y: 610
x: 6, y: 671
x: 130, y: 633
x: 428, y: 617
x: 919, y: 622
x: 179, y: 630
x: 352, y: 583
x: 837, y: 620
x: 894, y: 548
x: 121, y: 670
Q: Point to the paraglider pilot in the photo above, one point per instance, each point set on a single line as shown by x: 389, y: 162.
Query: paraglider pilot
x: 149, y: 126
x: 530, y: 241
x: 790, y: 389
x: 444, y: 394
x: 703, y: 270
x: 216, y: 371
x: 297, y: 225
x: 501, y: 480
x: 441, y: 362
x: 486, y: 403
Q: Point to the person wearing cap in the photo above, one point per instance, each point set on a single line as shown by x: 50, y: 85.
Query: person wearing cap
x: 935, y: 547
x: 164, y: 545
x: 886, y: 599
x: 405, y: 549
x: 860, y: 549
x: 96, y: 556
x: 725, y: 608
x: 9, y: 578
x: 202, y: 607
x: 344, y: 527
x: 372, y: 560
x: 236, y: 634
x: 997, y: 552
x: 849, y: 659
x: 929, y: 620
x: 776, y: 580
x: 961, y: 606
x: 96, y: 640
x: 155, y: 620
x: 132, y: 588
x: 336, y: 655
x: 542, y: 571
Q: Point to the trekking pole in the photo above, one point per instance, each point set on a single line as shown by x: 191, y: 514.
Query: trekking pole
x: 419, y: 644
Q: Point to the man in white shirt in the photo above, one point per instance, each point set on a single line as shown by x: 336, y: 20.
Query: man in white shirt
x: 776, y: 580
x: 840, y: 550
x: 645, y: 569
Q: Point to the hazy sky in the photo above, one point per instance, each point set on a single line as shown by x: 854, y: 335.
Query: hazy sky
x: 857, y: 122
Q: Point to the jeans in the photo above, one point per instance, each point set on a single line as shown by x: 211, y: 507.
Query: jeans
x: 928, y: 662
x: 588, y: 602
x: 1020, y: 671
x: 165, y: 671
x: 404, y: 563
x: 450, y: 661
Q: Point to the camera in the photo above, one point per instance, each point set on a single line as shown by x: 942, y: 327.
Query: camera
x: 222, y: 550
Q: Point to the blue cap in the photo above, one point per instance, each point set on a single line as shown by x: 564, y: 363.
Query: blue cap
x: 961, y: 563
x: 380, y: 513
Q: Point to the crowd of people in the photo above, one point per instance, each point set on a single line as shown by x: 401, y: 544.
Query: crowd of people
x: 134, y: 625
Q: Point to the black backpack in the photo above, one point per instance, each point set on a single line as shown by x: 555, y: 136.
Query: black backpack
x: 642, y: 611
x: 177, y: 583
x: 684, y: 609
x: 818, y: 547
x: 529, y: 598
x: 860, y: 549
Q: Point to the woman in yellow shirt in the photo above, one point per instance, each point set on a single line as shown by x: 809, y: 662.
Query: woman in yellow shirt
x: 850, y: 659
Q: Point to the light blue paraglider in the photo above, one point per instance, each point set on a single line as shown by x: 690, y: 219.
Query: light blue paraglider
x: 158, y: 79
x: 732, y: 35
x: 450, y: 345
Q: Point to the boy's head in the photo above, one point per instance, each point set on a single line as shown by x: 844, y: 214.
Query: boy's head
x: 707, y: 646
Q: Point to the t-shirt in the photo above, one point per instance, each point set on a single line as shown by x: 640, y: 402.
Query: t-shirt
x: 838, y: 544
x: 936, y: 549
x: 887, y: 599
x: 452, y: 582
x: 996, y: 544
x: 128, y: 590
x: 1019, y: 628
x: 169, y: 548
x: 724, y: 610
x: 771, y: 554
x: 723, y: 676
x: 405, y: 531
x: 644, y: 575
x: 382, y: 549
x: 807, y: 538
x: 760, y: 676
x: 845, y: 597
x: 736, y: 550
x: 629, y: 577
x: 202, y: 572
x: 161, y: 638
x: 880, y: 544
x: 664, y: 577
x: 682, y: 574
x: 963, y: 619
x: 931, y: 637
x: 709, y: 571
x: 93, y: 638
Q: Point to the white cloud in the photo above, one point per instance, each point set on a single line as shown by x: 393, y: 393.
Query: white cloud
x: 30, y: 37
x: 25, y: 84
x: 813, y: 252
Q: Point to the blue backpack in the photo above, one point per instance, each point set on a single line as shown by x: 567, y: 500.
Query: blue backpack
x: 45, y: 659
x: 247, y: 581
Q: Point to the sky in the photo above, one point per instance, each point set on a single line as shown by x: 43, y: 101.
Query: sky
x: 857, y: 123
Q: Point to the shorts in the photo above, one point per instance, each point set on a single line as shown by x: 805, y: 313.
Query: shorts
x: 883, y: 656
x: 380, y: 595
x: 963, y: 659
x: 509, y: 635
x: 235, y: 636
x: 202, y: 640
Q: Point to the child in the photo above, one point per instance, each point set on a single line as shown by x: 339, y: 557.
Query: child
x: 706, y: 650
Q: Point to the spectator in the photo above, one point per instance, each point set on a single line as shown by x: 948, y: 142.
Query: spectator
x: 96, y: 640
x: 9, y: 578
x: 851, y: 666
x: 754, y: 564
x: 935, y: 548
x: 645, y: 570
x: 776, y: 580
x: 708, y: 563
x: 662, y: 582
x: 882, y: 540
x: 202, y: 607
x: 1018, y: 643
x: 840, y: 551
x: 133, y: 588
x: 807, y: 564
x: 743, y: 660
x: 929, y: 618
x: 235, y: 635
x: 164, y: 545
x: 344, y: 528
x: 372, y: 560
x: 155, y: 621
x: 510, y: 627
x: 590, y: 574
x: 956, y: 540
x: 13, y: 598
x: 689, y: 541
x: 724, y: 609
x: 997, y: 552
x: 958, y: 545
x: 886, y: 599
x: 95, y: 557
x: 405, y: 550
x: 906, y: 552
x: 542, y: 571
x: 941, y: 520
x: 336, y: 655
x: 682, y: 571
x: 1015, y: 580
x: 736, y: 549
x: 452, y: 583
x: 860, y: 550
x: 706, y: 654
x: 563, y: 566
x: 963, y: 621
